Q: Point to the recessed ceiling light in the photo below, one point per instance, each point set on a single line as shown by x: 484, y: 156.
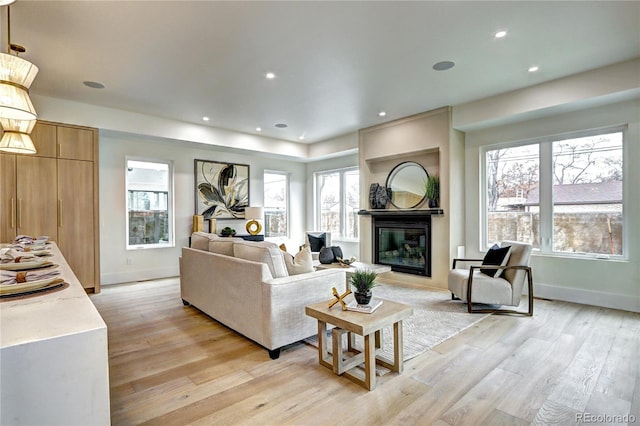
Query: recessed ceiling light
x: 500, y: 34
x: 443, y: 65
x: 301, y: 137
x: 93, y: 84
x: 382, y: 113
x: 534, y: 68
x: 205, y: 118
x: 258, y: 129
x: 281, y: 125
x: 270, y: 76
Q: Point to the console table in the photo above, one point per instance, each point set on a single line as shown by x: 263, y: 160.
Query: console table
x: 53, y: 357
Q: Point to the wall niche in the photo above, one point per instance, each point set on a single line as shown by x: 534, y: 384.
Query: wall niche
x: 429, y: 140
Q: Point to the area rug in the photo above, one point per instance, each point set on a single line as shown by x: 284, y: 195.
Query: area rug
x: 435, y: 319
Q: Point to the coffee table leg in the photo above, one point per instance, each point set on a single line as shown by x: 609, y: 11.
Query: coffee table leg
x: 323, y: 352
x: 369, y: 363
x: 398, y: 352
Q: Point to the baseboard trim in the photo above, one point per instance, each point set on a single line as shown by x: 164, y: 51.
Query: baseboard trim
x: 588, y: 297
x: 138, y: 275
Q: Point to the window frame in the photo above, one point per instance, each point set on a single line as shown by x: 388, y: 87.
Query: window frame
x: 170, y: 204
x: 545, y: 175
x: 287, y: 176
x: 317, y: 214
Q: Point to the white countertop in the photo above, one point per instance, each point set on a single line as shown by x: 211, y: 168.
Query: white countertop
x: 49, y: 315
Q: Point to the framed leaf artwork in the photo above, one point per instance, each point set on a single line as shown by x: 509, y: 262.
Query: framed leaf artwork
x: 222, y: 189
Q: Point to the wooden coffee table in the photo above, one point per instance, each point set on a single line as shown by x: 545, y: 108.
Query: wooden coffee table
x: 366, y: 325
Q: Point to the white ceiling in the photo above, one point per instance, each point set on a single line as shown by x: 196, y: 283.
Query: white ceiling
x: 337, y: 63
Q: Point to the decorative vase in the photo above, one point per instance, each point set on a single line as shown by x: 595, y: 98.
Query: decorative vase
x: 378, y: 196
x: 363, y: 298
x: 433, y: 204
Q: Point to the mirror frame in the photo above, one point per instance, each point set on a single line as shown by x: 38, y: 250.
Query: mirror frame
x: 394, y: 172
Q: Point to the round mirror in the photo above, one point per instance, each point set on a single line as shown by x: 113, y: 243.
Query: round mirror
x: 406, y: 182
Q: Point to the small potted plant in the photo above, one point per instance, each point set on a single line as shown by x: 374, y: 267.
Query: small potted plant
x: 363, y: 281
x: 432, y: 190
x: 228, y: 232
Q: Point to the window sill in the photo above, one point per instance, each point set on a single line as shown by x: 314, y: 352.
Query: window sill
x: 585, y: 256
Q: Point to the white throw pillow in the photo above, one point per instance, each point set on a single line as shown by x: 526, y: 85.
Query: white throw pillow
x: 301, y: 263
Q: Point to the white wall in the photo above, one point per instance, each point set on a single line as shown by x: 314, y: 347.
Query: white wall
x: 163, y: 262
x: 610, y: 283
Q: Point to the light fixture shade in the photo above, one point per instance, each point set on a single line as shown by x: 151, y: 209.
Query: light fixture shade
x: 16, y: 137
x: 254, y: 213
x: 16, y: 76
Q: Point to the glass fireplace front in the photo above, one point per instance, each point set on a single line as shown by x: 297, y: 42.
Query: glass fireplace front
x: 404, y: 245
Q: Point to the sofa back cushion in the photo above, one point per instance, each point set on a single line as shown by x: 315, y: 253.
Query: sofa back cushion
x: 200, y: 240
x: 265, y: 252
x: 223, y: 245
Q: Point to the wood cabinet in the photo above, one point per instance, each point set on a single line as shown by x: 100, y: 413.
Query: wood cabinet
x: 55, y: 193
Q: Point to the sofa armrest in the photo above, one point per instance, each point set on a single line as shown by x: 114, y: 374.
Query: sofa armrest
x: 284, y: 300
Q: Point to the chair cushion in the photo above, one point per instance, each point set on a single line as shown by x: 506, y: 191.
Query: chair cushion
x: 494, y: 291
x: 496, y: 256
x: 316, y: 241
x: 265, y: 252
x: 301, y: 263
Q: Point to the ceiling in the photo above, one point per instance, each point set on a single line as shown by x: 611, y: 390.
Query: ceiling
x: 337, y: 64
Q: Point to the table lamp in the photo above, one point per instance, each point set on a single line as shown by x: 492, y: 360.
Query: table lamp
x: 253, y: 215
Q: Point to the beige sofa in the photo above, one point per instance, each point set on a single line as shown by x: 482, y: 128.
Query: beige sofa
x: 246, y: 286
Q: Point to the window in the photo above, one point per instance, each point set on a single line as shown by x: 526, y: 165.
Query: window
x: 276, y: 204
x: 338, y: 202
x: 149, y: 197
x: 563, y: 195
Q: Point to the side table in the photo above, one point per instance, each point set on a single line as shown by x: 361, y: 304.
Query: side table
x: 367, y: 325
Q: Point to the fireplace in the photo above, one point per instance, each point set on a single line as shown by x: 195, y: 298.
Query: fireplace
x: 404, y: 243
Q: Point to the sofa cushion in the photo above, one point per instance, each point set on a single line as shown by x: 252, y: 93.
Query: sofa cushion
x: 265, y: 252
x: 200, y: 240
x: 222, y: 245
x: 301, y: 263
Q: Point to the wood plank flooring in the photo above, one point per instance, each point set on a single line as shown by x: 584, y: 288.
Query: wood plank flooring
x: 172, y: 365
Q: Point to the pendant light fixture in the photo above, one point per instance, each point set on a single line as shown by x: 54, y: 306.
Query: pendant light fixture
x: 17, y: 114
x: 16, y: 137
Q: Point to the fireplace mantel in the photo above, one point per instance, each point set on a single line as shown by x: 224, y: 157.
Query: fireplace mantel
x: 397, y: 212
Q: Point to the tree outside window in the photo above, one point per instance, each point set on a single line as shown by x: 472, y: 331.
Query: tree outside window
x: 585, y: 211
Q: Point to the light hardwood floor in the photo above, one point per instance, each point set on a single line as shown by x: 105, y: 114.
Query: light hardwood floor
x: 172, y: 365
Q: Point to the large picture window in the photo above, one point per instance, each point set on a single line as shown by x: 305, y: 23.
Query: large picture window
x: 276, y: 204
x: 338, y: 202
x: 149, y: 201
x: 563, y: 195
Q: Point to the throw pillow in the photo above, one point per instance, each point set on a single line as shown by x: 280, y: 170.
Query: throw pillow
x: 283, y: 247
x: 496, y: 256
x: 301, y: 263
x: 326, y: 255
x: 316, y: 242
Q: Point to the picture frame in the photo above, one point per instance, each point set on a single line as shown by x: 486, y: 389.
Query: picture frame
x: 221, y: 189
